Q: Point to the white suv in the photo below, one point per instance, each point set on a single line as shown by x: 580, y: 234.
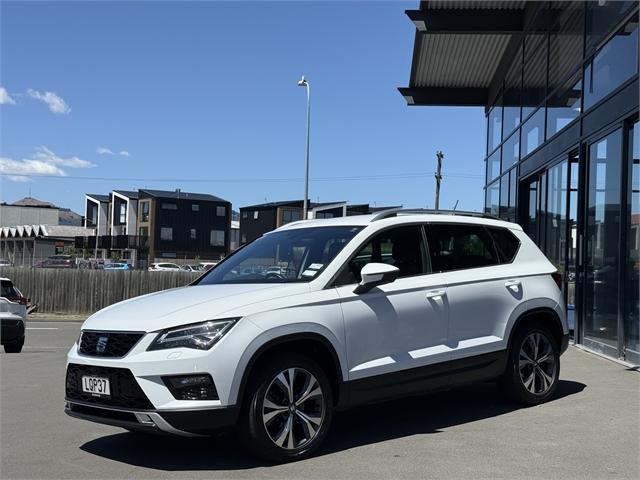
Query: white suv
x: 359, y: 309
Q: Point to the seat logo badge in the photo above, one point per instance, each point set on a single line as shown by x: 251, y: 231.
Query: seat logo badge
x: 102, y: 344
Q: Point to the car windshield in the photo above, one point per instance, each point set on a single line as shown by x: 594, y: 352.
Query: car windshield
x: 296, y: 255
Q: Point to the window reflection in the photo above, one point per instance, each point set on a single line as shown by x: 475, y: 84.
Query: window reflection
x: 533, y: 132
x: 495, y: 127
x: 493, y: 165
x: 564, y: 106
x: 611, y: 67
x: 511, y: 151
x: 491, y: 201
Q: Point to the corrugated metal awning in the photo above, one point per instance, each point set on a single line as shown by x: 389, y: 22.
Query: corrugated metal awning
x: 459, y: 47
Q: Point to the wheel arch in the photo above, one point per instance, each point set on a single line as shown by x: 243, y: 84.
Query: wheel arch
x: 311, y: 344
x: 545, y: 315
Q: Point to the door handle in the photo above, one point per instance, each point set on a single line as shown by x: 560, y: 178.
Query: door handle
x: 436, y: 293
x: 513, y: 285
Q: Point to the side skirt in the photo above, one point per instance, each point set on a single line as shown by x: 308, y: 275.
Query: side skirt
x: 425, y: 379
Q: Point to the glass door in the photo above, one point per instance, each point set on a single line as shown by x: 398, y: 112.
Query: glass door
x: 601, y: 280
x: 631, y: 322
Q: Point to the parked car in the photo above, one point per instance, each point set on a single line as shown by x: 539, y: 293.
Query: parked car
x: 164, y: 267
x: 5, y: 263
x: 208, y: 265
x: 192, y: 268
x: 369, y: 308
x: 13, y: 316
x: 57, y: 261
x: 117, y: 266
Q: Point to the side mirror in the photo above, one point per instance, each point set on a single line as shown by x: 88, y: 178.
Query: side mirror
x: 374, y: 274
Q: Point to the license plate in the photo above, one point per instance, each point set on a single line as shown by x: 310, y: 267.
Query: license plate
x: 96, y: 385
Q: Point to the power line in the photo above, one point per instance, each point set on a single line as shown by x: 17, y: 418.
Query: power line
x: 398, y: 176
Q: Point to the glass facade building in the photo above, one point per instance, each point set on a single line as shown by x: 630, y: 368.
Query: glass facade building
x: 563, y: 146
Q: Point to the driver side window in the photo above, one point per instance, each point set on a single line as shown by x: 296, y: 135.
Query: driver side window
x: 402, y: 247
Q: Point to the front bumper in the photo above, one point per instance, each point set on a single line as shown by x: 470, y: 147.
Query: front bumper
x: 187, y: 423
x: 11, y: 329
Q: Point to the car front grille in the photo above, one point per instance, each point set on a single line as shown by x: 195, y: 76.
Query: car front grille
x: 125, y: 391
x: 107, y: 344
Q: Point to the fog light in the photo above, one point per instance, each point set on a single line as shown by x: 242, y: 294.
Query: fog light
x: 192, y: 387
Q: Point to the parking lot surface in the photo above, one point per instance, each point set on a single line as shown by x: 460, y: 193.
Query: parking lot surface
x: 592, y: 430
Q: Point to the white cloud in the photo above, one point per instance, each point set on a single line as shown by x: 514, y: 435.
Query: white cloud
x: 124, y: 153
x: 55, y: 103
x: 5, y: 98
x: 42, y: 162
x: 104, y: 151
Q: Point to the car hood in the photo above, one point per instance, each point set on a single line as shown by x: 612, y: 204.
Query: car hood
x: 180, y: 306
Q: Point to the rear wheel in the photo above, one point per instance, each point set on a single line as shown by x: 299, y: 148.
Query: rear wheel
x: 15, y: 346
x: 533, y: 367
x: 289, y: 409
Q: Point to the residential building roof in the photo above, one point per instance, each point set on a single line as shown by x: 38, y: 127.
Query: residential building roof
x: 181, y: 195
x: 127, y: 193
x: 99, y: 197
x: 292, y: 203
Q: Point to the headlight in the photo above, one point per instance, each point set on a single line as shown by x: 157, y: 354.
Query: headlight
x: 202, y: 336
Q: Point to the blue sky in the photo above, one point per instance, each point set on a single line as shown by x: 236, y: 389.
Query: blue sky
x: 208, y: 90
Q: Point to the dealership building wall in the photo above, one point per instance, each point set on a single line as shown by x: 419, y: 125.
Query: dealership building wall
x: 559, y: 84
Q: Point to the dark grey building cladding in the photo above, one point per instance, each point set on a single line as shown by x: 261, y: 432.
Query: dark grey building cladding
x: 187, y: 224
x: 559, y: 85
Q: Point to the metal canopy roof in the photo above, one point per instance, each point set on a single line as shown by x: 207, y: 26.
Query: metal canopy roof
x: 459, y: 47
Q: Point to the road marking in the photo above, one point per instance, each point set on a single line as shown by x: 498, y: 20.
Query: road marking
x: 42, y: 328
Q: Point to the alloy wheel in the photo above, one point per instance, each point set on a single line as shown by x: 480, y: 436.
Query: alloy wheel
x: 293, y: 408
x: 537, y: 363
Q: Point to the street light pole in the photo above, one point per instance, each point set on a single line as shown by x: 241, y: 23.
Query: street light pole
x: 304, y: 83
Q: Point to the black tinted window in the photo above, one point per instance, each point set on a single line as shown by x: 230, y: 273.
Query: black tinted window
x: 7, y: 289
x: 506, y: 243
x: 401, y: 247
x: 457, y: 246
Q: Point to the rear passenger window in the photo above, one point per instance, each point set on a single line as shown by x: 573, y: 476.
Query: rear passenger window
x: 506, y: 243
x: 457, y: 247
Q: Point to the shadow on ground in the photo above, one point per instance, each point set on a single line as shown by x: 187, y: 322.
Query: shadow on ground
x: 363, y: 426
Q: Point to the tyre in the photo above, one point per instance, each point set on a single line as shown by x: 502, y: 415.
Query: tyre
x: 533, y: 366
x: 14, y: 347
x: 288, y: 409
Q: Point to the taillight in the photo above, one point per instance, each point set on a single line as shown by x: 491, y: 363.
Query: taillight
x: 557, y: 277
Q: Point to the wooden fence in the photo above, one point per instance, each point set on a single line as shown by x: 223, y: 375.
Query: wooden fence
x: 87, y: 291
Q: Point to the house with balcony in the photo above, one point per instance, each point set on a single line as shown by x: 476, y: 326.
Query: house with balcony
x: 147, y: 225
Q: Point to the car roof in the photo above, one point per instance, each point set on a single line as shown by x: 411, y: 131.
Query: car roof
x: 399, y: 217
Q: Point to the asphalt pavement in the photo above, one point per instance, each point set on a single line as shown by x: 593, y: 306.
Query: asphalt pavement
x: 592, y: 430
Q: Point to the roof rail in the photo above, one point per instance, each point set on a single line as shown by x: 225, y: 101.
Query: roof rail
x: 394, y: 212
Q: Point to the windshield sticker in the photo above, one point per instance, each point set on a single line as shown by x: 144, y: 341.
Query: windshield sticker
x: 316, y: 266
x: 309, y: 273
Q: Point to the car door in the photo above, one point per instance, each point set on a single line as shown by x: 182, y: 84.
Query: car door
x: 401, y: 325
x: 482, y: 292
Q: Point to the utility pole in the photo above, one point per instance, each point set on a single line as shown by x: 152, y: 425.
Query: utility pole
x: 439, y: 157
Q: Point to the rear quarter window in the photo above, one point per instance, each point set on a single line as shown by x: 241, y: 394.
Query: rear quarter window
x: 506, y: 242
x: 460, y: 246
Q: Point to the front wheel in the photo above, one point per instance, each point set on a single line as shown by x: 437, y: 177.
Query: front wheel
x: 289, y: 409
x: 533, y: 367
